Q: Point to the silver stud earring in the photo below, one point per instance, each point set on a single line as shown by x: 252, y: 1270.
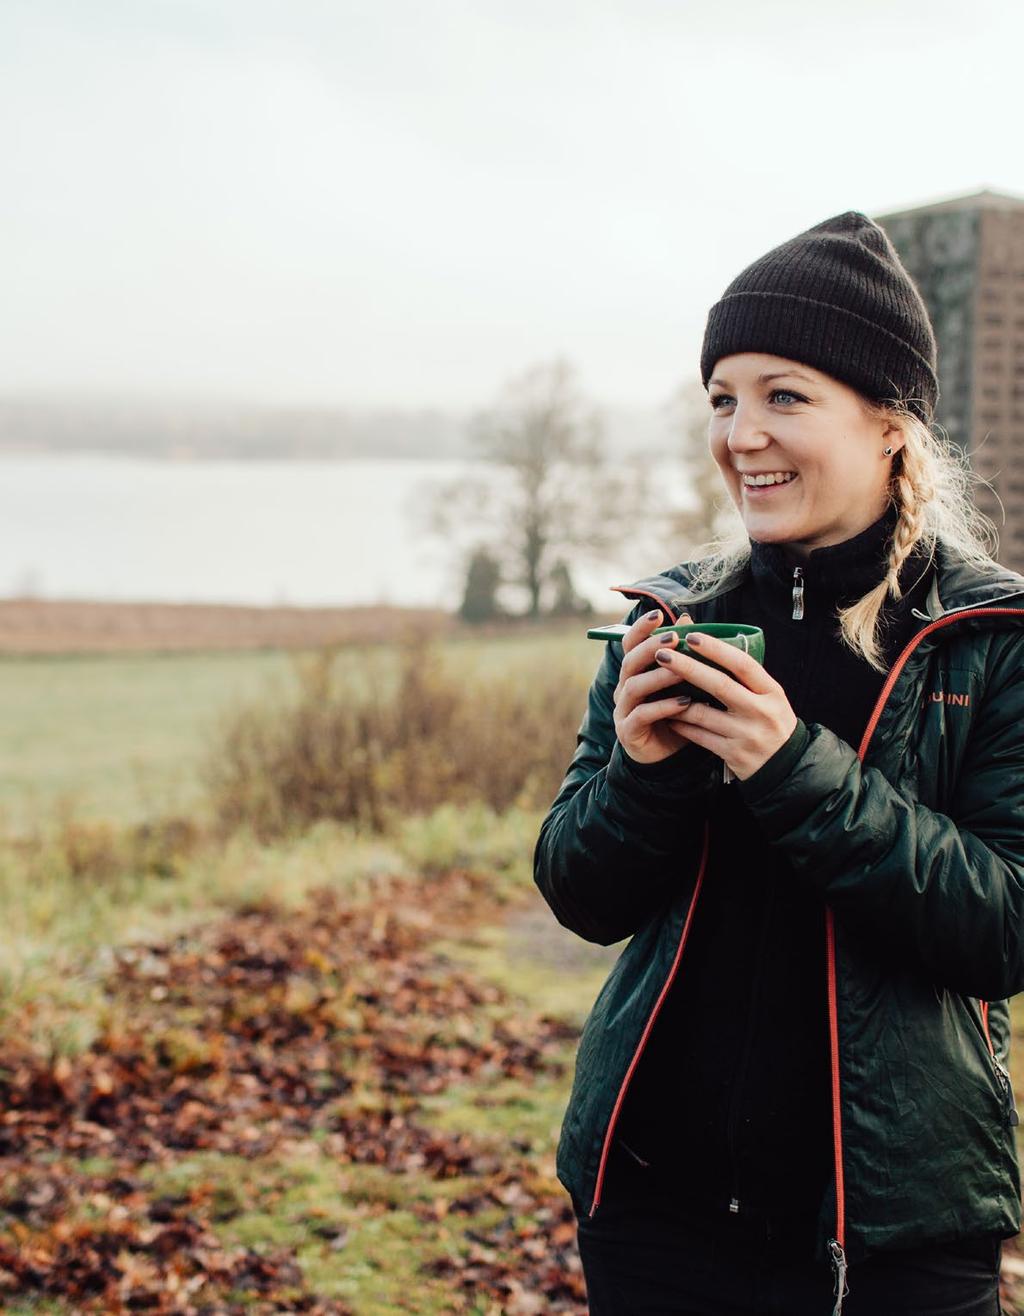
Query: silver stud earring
x: 888, y: 452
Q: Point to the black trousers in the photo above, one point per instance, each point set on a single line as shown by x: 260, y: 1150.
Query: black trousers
x: 642, y: 1256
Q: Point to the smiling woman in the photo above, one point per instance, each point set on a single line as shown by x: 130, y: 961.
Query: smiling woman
x: 792, y: 1094
x: 767, y: 438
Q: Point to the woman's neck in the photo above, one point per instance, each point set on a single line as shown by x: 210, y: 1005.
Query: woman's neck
x: 797, y: 552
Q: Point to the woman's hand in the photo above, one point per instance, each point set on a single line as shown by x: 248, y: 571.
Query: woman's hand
x: 757, y: 719
x: 646, y: 731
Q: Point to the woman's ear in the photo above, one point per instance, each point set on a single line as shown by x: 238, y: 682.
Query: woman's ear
x: 893, y: 436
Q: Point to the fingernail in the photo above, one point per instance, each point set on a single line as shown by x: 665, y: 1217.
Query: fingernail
x: 663, y: 656
x: 651, y: 616
x: 684, y: 700
x: 695, y: 639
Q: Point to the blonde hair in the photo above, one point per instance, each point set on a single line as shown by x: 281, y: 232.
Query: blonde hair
x: 931, y: 486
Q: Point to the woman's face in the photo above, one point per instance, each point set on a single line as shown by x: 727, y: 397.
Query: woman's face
x: 775, y: 417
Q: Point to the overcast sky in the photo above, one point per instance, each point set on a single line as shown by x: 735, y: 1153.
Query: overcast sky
x: 402, y: 202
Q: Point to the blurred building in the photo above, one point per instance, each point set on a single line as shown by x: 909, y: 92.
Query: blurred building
x: 967, y: 257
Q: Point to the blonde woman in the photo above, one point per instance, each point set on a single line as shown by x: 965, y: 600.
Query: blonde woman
x: 791, y: 1095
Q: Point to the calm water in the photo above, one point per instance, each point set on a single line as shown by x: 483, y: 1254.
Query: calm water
x: 99, y: 527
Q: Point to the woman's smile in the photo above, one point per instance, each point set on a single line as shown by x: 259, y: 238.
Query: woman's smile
x: 771, y: 483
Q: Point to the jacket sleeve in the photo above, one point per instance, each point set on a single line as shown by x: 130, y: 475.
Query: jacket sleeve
x: 621, y: 836
x: 945, y: 893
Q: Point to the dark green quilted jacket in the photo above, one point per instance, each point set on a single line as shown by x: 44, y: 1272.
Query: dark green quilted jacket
x: 916, y: 843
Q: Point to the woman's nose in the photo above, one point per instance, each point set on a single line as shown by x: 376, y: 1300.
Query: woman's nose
x: 746, y: 432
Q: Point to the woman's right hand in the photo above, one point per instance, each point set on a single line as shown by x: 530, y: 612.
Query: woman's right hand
x: 646, y: 731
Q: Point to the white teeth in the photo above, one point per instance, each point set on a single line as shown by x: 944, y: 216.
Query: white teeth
x: 773, y: 477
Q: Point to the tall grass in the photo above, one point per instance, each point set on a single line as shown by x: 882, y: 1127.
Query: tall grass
x: 371, y: 746
x: 359, y: 768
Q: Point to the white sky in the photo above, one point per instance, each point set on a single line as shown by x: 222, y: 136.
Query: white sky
x: 402, y: 202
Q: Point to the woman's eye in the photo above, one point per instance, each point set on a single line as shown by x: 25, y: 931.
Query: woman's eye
x: 783, y: 397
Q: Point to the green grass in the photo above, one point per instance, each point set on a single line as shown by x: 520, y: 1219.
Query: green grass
x: 352, y: 1227
x: 358, y: 1232
x: 36, y: 1307
x: 57, y: 928
x: 119, y: 739
x: 120, y: 736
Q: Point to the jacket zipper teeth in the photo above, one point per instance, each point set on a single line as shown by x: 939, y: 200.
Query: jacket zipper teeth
x: 1002, y: 1076
x: 798, y: 593
x: 1006, y: 1087
x: 837, y: 1245
x: 627, y: 1078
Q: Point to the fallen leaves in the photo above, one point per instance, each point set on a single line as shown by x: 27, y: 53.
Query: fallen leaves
x: 323, y: 1028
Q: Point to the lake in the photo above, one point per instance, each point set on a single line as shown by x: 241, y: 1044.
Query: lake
x: 92, y: 526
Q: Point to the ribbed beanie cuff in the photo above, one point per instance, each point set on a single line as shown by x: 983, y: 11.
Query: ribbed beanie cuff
x: 836, y: 298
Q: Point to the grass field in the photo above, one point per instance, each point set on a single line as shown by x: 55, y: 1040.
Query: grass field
x: 119, y: 739
x: 121, y: 736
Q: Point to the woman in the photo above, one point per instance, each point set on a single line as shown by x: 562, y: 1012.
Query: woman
x: 791, y: 1093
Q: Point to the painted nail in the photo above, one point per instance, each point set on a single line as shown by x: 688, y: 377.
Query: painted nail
x: 695, y: 639
x: 663, y: 656
x: 651, y: 616
x: 684, y: 701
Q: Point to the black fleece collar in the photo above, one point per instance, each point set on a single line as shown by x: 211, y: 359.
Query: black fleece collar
x: 844, y: 571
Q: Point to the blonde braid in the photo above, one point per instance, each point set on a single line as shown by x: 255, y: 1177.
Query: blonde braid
x: 911, y: 490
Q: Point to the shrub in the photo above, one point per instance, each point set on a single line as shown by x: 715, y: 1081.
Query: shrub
x: 368, y: 750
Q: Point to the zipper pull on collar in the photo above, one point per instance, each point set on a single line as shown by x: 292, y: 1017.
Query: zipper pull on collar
x: 798, y: 593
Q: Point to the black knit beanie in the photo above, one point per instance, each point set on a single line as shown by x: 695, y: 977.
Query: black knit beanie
x: 836, y: 298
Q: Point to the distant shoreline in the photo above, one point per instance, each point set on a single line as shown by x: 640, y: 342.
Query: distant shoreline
x: 54, y: 627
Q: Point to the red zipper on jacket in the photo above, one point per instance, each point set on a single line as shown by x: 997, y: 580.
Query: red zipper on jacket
x: 839, y: 1248
x: 627, y: 1079
x: 631, y: 593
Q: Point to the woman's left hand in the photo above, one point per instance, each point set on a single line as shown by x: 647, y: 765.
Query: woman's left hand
x: 757, y: 719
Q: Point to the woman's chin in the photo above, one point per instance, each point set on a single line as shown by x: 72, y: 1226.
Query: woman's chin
x: 769, y: 529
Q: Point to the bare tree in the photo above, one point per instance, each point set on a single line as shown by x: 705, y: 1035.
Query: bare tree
x: 548, y: 497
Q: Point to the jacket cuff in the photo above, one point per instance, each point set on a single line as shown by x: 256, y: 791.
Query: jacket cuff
x: 689, y: 764
x: 776, y: 769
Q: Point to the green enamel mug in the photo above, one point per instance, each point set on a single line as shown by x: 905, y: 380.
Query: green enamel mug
x: 748, y: 638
